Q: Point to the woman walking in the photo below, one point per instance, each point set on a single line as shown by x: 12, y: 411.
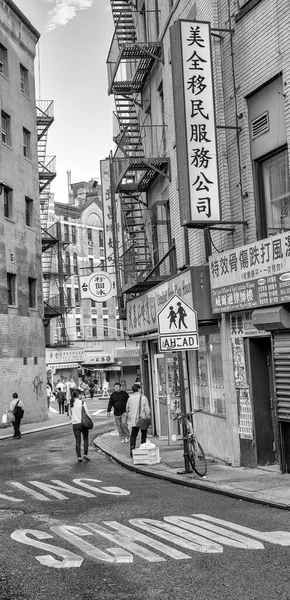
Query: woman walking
x: 75, y: 413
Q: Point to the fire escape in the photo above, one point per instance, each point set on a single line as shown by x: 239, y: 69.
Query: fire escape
x: 129, y: 64
x: 55, y: 306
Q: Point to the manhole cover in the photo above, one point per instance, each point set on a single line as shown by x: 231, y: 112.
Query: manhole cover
x: 9, y: 514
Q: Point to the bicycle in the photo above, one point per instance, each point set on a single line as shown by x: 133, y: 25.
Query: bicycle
x: 195, y: 452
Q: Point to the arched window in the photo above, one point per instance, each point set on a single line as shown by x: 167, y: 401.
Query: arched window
x: 75, y: 263
x: 67, y: 263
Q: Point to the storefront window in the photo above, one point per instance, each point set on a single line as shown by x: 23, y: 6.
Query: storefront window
x: 209, y: 383
x: 276, y: 187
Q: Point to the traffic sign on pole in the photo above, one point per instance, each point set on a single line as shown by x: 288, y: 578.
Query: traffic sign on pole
x: 177, y: 326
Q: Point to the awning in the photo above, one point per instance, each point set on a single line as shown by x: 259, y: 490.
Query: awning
x: 271, y: 318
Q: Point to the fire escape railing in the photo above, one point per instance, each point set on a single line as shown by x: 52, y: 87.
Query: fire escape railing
x: 140, y: 158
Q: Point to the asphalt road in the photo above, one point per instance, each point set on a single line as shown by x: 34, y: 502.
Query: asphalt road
x: 76, y: 531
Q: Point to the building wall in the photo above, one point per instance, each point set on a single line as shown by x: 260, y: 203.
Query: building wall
x: 22, y: 334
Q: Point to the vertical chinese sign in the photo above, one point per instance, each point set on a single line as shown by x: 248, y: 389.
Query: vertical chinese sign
x: 107, y: 215
x: 195, y: 126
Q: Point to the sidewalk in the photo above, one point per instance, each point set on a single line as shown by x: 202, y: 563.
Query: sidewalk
x: 264, y: 485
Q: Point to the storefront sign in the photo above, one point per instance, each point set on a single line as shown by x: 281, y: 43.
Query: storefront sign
x: 242, y: 325
x: 107, y: 214
x: 127, y: 352
x: 245, y: 414
x: 195, y: 122
x: 58, y: 355
x: 53, y: 368
x: 142, y: 311
x: 100, y: 286
x: 98, y: 359
x: 251, y: 276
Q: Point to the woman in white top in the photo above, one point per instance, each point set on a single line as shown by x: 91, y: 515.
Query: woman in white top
x: 17, y: 407
x: 75, y: 413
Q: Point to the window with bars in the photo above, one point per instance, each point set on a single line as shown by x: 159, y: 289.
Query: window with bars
x: 74, y: 234
x: 75, y: 263
x: 6, y: 128
x: 67, y: 263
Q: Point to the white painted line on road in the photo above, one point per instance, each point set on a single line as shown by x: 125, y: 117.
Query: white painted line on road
x: 98, y: 412
x: 282, y: 538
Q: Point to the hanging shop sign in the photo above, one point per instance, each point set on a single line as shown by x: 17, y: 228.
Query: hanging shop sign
x: 107, y: 214
x: 58, y: 355
x: 195, y: 128
x: 177, y: 326
x: 251, y: 276
x: 98, y: 359
x: 100, y: 286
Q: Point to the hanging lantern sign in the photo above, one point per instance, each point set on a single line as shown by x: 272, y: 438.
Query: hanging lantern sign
x: 100, y: 286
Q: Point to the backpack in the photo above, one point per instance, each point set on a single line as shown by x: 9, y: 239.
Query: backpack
x: 18, y: 411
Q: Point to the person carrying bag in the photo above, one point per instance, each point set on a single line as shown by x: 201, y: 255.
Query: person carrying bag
x: 138, y: 410
x: 17, y: 408
x: 81, y: 423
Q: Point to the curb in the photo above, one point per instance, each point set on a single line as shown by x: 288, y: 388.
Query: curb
x: 10, y: 435
x: 199, y: 484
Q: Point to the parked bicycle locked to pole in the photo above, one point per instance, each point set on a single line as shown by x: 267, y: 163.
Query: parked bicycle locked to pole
x: 194, y: 450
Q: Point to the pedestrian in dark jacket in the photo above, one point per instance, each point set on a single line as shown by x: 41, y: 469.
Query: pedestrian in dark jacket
x: 118, y: 401
x: 60, y: 396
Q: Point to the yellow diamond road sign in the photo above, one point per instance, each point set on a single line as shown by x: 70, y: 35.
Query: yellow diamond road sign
x: 177, y: 326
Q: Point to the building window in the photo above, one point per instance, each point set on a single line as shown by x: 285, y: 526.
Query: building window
x: 101, y: 239
x: 31, y: 292
x: 74, y: 234
x: 93, y: 304
x: 77, y: 297
x: 8, y: 203
x: 91, y: 263
x: 78, y: 327
x: 26, y: 143
x: 106, y: 328
x: 274, y: 186
x: 75, y: 263
x: 162, y: 110
x: 90, y: 236
x: 29, y: 211
x: 11, y: 289
x: 94, y: 327
x: 25, y: 361
x: 208, y: 375
x: 24, y: 80
x: 67, y: 263
x: 6, y: 128
x: 3, y: 60
x: 118, y: 325
x: 66, y: 233
x: 68, y: 296
x: 35, y: 360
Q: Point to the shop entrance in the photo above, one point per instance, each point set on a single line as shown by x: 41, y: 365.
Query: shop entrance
x: 167, y: 396
x: 260, y: 363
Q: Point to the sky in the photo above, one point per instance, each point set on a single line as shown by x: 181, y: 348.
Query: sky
x: 71, y: 60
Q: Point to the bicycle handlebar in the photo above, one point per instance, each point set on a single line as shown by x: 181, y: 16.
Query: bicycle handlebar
x: 185, y: 415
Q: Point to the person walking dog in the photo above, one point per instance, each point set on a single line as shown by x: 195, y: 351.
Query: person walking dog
x: 75, y: 413
x: 137, y: 406
x: 17, y: 407
x: 118, y: 401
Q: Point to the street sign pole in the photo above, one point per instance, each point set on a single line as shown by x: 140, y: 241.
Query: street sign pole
x: 183, y: 410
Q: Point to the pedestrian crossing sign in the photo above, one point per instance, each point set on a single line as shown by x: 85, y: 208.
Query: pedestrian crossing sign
x: 177, y: 326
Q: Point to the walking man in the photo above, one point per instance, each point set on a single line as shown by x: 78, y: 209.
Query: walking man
x: 17, y: 407
x: 137, y: 406
x: 118, y: 401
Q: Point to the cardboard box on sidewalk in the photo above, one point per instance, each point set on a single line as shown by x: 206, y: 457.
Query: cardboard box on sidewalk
x: 146, y: 456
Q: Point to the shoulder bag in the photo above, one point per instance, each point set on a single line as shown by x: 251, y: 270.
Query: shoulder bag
x: 142, y: 422
x: 86, y: 419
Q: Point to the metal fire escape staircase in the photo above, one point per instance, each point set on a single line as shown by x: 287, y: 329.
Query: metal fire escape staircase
x: 55, y: 306
x: 129, y: 64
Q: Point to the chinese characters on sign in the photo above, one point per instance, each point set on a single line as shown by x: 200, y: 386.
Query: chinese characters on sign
x: 100, y: 286
x: 107, y: 216
x: 199, y: 121
x: 57, y: 355
x: 251, y: 276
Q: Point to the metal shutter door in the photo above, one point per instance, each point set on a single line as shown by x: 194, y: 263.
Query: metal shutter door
x: 281, y: 349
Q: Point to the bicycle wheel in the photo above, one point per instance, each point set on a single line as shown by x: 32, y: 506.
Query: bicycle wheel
x: 197, y: 458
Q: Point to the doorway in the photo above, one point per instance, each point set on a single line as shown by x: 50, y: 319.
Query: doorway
x: 167, y: 396
x: 261, y: 383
